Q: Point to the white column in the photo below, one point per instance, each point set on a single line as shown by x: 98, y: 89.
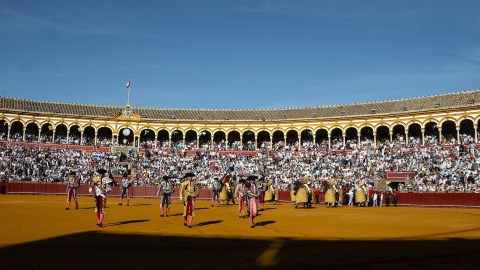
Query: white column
x: 8, y: 133
x: 95, y: 142
x: 406, y: 137
x: 155, y: 141
x: 329, y: 140
x: 226, y: 142
x: 476, y: 135
x: 241, y: 142
x: 423, y: 137
x: 198, y: 140
x: 374, y: 139
x: 53, y: 137
x: 24, y: 130
x: 68, y: 135
x: 81, y: 137
x: 358, y: 134
x: 439, y: 134
x: 391, y: 136
x: 169, y: 141
x: 343, y: 137
x: 39, y: 133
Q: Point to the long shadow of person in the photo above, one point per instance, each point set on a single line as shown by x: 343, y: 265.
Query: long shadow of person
x: 125, y: 222
x: 264, y: 223
x: 208, y: 223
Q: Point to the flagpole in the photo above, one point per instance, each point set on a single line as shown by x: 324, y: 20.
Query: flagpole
x: 128, y: 98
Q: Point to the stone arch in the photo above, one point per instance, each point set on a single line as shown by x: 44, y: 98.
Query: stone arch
x: 248, y: 140
x: 292, y: 137
x: 16, y: 130
x: 306, y: 137
x: 336, y: 137
x: 31, y: 132
x: 88, y: 135
x: 398, y: 133
x: 3, y: 129
x: 46, y: 132
x: 147, y: 138
x: 191, y: 138
x: 366, y: 136
x: 321, y: 137
x: 449, y: 131
x: 177, y: 138
x: 414, y: 134
x: 431, y: 133
x: 75, y: 134
x: 163, y: 138
x: 219, y: 140
x: 105, y: 136
x: 61, y: 133
x: 263, y: 139
x: 351, y: 136
x: 205, y: 138
x: 383, y: 133
x: 466, y: 130
x: 233, y: 139
x: 278, y: 139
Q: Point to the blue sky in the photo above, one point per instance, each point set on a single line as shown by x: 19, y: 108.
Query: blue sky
x: 237, y: 54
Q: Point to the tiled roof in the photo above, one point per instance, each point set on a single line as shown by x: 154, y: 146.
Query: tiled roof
x: 444, y: 101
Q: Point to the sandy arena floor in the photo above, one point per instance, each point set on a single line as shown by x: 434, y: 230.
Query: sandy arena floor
x: 38, y: 233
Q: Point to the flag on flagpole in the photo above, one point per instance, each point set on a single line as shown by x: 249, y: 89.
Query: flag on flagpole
x: 128, y: 83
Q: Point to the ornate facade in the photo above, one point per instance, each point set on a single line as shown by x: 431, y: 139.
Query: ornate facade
x: 440, y: 115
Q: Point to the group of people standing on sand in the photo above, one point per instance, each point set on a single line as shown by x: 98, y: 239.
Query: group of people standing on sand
x: 249, y: 193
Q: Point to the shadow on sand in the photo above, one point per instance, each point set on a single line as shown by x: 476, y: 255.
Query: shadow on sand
x: 94, y: 249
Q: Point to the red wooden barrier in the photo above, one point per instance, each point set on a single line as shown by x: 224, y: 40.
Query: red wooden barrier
x: 472, y: 199
x: 442, y: 199
x: 115, y: 192
x: 139, y: 191
x: 150, y: 191
x: 439, y: 199
x: 51, y: 189
x: 39, y: 188
x: 27, y: 188
x: 15, y: 188
x: 456, y: 198
x: 428, y: 199
x: 284, y: 196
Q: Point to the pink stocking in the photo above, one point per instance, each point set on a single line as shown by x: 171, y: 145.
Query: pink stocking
x: 190, y: 221
x: 101, y: 218
x: 251, y: 220
x: 98, y: 218
x: 68, y: 204
x: 167, y: 210
x: 161, y: 209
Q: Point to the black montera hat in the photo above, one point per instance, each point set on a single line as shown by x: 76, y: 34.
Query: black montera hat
x: 102, y: 171
x: 72, y: 173
x: 252, y: 177
x: 166, y: 177
x: 125, y: 174
x: 189, y: 175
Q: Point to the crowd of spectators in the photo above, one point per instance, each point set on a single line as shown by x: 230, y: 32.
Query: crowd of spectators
x: 437, y: 168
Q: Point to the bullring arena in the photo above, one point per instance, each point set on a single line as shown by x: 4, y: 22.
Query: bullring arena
x: 435, y: 228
